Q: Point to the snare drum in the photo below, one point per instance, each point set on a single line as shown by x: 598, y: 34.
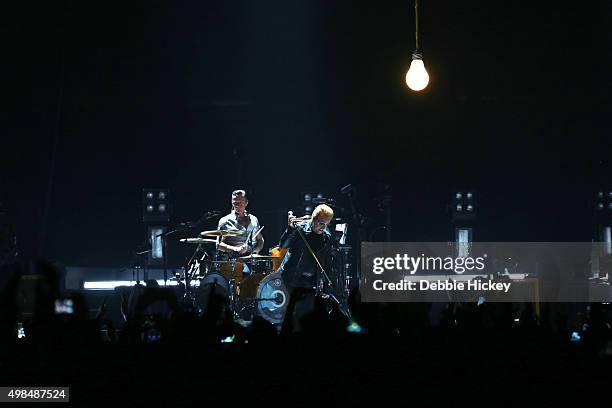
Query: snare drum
x: 262, y: 266
x: 263, y: 295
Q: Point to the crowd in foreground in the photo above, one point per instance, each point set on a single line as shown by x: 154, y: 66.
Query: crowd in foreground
x: 495, y: 353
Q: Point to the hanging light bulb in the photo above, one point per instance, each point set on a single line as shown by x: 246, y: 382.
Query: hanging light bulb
x: 417, y: 77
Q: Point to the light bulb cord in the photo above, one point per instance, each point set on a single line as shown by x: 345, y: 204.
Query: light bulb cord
x: 416, y: 23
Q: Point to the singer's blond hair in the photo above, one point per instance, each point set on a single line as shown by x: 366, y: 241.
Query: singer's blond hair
x: 323, y: 209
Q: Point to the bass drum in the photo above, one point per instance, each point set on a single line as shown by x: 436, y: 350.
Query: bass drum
x: 265, y: 296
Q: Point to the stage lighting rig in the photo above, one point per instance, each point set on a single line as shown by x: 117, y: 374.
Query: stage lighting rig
x: 604, y: 204
x: 311, y: 200
x: 156, y: 208
x: 155, y: 216
x: 463, y: 217
x: 463, y: 206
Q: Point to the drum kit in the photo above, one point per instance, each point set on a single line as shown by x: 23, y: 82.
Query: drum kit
x: 250, y: 285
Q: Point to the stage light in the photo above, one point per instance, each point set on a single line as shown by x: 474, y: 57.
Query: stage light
x: 600, y: 194
x: 417, y: 77
x: 354, y: 327
x: 463, y: 217
x: 105, y: 285
x: 156, y: 208
x: 111, y: 285
x: 156, y: 217
x: 310, y: 200
x: 463, y: 206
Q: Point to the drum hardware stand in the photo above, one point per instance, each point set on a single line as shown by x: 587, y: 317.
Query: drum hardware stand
x: 191, y: 272
x: 183, y: 226
x: 189, y: 298
x: 233, y: 297
x: 164, y: 239
x: 345, y: 276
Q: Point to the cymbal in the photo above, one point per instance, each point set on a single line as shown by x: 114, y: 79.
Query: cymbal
x: 221, y: 233
x: 199, y: 241
x: 258, y: 257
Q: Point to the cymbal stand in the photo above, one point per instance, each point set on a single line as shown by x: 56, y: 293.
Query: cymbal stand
x: 191, y: 270
x: 233, y: 297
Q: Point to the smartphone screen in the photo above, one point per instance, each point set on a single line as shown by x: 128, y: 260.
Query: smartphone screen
x: 64, y: 306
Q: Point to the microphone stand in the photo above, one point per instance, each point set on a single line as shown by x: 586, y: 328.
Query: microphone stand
x: 184, y: 226
x: 349, y: 191
x: 142, y: 253
x: 318, y: 288
x: 319, y: 284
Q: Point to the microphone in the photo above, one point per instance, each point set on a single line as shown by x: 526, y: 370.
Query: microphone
x: 289, y: 214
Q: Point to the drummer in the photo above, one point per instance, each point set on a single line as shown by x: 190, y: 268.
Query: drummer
x: 245, y: 223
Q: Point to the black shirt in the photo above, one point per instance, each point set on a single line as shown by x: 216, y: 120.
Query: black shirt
x: 299, y: 268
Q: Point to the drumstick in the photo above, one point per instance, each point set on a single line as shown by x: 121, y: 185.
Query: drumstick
x: 258, y: 231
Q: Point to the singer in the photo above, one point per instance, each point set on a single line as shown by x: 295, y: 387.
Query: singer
x: 300, y: 268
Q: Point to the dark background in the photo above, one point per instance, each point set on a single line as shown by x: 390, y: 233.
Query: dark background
x: 280, y: 97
